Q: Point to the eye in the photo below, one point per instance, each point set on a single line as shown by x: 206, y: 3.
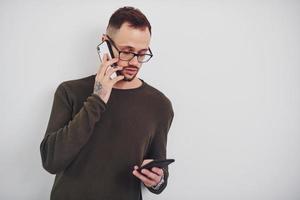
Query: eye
x: 126, y: 52
x: 143, y: 52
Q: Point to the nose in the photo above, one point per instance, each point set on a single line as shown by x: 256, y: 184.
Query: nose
x: 134, y: 61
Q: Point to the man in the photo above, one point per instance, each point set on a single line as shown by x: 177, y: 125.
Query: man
x: 101, y: 128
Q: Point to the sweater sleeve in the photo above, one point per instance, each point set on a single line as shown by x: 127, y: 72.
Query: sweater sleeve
x: 158, y: 149
x: 65, y: 136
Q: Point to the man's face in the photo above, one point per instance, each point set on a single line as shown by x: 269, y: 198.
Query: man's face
x: 129, y: 39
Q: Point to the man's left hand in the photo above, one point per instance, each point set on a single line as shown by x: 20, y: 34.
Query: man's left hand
x: 151, y: 177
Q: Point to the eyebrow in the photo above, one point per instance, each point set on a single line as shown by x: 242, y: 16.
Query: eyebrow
x: 132, y: 48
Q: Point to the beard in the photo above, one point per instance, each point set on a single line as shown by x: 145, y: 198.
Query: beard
x: 126, y: 76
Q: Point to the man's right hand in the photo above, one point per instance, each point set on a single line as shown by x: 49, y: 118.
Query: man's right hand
x: 103, y: 83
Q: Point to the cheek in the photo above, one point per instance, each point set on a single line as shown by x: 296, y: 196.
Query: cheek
x: 122, y: 63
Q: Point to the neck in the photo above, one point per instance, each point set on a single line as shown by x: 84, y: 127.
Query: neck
x: 135, y: 83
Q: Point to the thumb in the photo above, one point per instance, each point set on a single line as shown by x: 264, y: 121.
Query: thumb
x: 118, y: 78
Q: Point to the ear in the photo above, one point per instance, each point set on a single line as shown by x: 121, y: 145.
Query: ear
x: 104, y: 37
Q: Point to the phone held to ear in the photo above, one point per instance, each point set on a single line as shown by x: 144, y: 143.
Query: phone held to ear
x: 156, y: 163
x: 105, y: 48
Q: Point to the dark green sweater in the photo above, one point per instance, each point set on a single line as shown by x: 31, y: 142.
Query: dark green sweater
x: 92, y: 147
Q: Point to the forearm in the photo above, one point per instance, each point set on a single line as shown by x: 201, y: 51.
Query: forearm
x: 59, y: 147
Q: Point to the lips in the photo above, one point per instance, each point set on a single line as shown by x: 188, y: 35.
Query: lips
x: 130, y: 70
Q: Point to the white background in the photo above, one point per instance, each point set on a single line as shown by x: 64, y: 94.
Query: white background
x: 230, y: 68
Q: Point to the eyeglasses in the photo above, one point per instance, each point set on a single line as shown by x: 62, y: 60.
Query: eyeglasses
x: 127, y: 55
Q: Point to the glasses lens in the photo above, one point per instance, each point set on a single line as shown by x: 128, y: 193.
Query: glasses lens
x: 144, y: 58
x: 126, y: 56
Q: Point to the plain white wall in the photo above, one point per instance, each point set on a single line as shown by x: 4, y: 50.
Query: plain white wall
x: 231, y: 69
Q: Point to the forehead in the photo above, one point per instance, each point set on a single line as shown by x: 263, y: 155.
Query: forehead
x: 132, y: 37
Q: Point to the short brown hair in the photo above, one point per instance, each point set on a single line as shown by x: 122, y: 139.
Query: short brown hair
x: 131, y: 15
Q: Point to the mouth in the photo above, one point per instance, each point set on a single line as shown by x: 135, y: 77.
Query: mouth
x: 130, y: 70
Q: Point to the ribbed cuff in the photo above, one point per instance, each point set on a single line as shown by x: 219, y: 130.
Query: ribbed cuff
x: 96, y: 98
x: 159, y: 184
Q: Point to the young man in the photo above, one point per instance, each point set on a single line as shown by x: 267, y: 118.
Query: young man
x: 101, y: 128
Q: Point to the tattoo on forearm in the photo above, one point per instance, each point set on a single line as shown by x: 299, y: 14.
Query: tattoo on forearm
x: 97, y: 87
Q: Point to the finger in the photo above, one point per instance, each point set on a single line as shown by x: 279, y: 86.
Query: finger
x: 106, y: 63
x: 111, y: 70
x: 158, y: 171
x: 109, y: 67
x: 146, y: 161
x: 105, y: 57
x: 145, y: 180
x: 109, y: 62
x: 101, y: 66
x: 116, y: 79
x: 151, y: 175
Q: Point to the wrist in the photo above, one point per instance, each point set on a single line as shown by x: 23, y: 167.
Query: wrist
x: 156, y: 187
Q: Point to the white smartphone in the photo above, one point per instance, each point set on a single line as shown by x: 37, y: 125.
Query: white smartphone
x: 105, y: 47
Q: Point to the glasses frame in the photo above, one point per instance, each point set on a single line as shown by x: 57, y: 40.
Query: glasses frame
x: 135, y: 54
